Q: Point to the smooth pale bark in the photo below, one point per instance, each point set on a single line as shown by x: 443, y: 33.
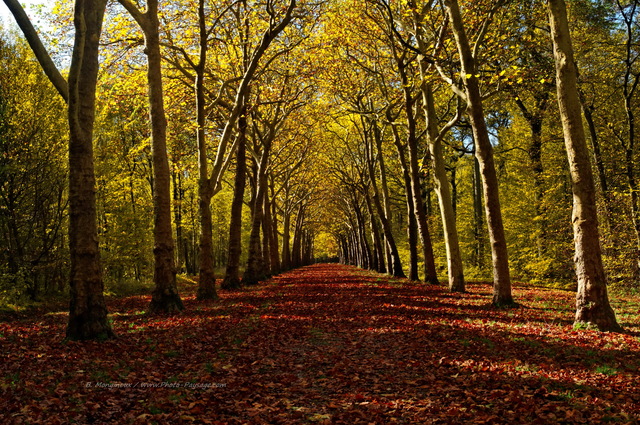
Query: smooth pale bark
x: 87, y: 308
x: 592, y: 301
x: 484, y: 153
x: 443, y: 192
x: 436, y: 155
x: 232, y: 275
x: 165, y: 297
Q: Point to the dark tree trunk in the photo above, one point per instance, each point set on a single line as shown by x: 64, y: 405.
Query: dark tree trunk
x: 255, y: 271
x: 232, y: 275
x: 395, y: 264
x: 415, y: 190
x: 207, y: 279
x: 377, y: 239
x: 87, y: 310
x: 273, y: 236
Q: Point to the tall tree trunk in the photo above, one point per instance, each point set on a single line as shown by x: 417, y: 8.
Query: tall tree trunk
x: 415, y: 190
x: 87, y: 310
x: 412, y: 226
x: 232, y: 275
x: 484, y: 154
x: 296, y: 257
x: 375, y: 234
x: 266, y: 230
x: 598, y: 161
x: 165, y: 297
x: 441, y: 184
x: 286, y: 233
x: 255, y: 271
x: 393, y: 259
x: 478, y: 220
x: 207, y: 279
x: 273, y: 235
x: 178, y: 198
x: 592, y: 302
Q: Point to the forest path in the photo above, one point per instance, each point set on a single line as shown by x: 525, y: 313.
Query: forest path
x: 326, y: 343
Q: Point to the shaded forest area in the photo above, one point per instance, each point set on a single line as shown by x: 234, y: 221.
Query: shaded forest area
x: 226, y: 142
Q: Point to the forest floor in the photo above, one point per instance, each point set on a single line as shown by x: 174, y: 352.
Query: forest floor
x: 328, y: 344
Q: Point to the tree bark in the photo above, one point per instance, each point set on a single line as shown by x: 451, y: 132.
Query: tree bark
x: 415, y: 190
x: 393, y: 258
x: 207, y: 279
x: 443, y: 192
x: 592, y: 301
x: 274, y: 253
x: 484, y: 153
x: 165, y: 297
x: 232, y: 275
x: 255, y: 271
x: 87, y: 310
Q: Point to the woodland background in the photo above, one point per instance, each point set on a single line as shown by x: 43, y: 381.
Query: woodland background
x: 327, y: 123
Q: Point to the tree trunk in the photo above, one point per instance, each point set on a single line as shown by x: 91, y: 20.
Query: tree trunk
x: 255, y: 271
x: 87, y: 310
x: 165, y: 297
x: 377, y: 239
x: 393, y: 260
x: 599, y: 163
x: 178, y: 198
x: 296, y: 257
x: 412, y: 228
x: 415, y: 190
x: 266, y: 230
x: 441, y: 184
x: 232, y: 275
x: 273, y: 235
x: 592, y: 301
x: 484, y: 154
x: 207, y: 279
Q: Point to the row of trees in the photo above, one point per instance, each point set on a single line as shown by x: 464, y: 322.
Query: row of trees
x: 228, y: 68
x: 445, y: 102
x: 348, y: 122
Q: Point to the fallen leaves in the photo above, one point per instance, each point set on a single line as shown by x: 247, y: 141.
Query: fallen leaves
x: 327, y: 344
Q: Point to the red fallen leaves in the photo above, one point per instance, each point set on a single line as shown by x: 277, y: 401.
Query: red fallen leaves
x: 328, y: 344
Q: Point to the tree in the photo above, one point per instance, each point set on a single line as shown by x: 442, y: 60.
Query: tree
x: 87, y: 311
x: 484, y: 154
x: 592, y: 301
x: 165, y: 297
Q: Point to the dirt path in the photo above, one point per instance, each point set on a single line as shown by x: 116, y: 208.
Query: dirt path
x: 326, y: 344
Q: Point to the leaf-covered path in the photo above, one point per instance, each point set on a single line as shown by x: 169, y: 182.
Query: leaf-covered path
x: 327, y: 344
